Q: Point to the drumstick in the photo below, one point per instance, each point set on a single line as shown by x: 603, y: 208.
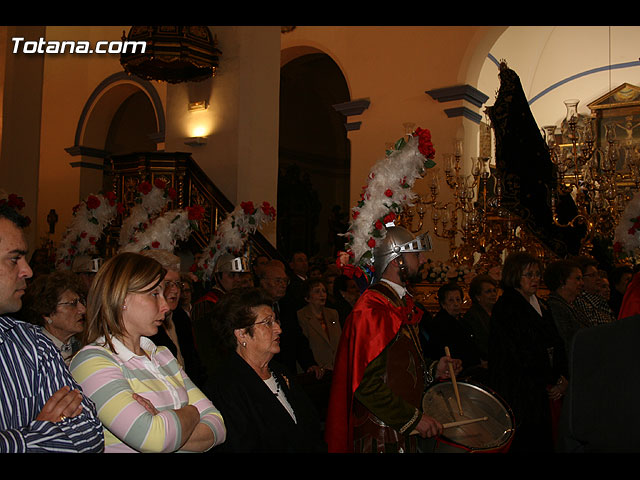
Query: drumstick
x: 453, y: 381
x: 464, y: 422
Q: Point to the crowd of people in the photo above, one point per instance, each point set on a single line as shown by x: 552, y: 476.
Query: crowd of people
x: 132, y: 355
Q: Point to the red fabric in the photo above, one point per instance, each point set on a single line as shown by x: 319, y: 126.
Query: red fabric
x: 372, y: 324
x: 631, y: 300
x: 210, y: 296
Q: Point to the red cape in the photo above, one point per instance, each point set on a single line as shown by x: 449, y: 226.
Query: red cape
x: 631, y: 300
x: 372, y: 324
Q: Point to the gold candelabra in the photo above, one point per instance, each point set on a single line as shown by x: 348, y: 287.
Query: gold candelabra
x: 590, y: 174
x: 474, y: 222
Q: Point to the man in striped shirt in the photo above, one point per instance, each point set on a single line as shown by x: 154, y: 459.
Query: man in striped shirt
x: 41, y: 407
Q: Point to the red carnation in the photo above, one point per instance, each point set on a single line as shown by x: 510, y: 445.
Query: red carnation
x: 144, y: 188
x: 424, y: 142
x: 371, y: 243
x: 355, y: 214
x: 93, y: 202
x: 15, y: 201
x: 247, y: 207
x: 161, y: 184
x: 379, y: 225
x: 193, y: 268
x: 93, y: 240
x: 390, y: 217
x: 155, y: 244
x: 120, y: 208
x: 196, y: 212
x: 388, y: 192
x: 268, y: 209
x: 111, y: 197
x: 172, y: 193
x: 83, y: 235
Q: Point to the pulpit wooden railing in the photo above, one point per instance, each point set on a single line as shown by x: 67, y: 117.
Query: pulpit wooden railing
x: 193, y: 187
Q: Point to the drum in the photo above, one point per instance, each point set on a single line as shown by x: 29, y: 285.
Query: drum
x: 491, y: 435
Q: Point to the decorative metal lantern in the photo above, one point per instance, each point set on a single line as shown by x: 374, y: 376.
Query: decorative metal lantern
x: 172, y: 54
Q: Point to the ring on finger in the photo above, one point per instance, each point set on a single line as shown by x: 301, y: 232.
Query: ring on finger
x: 62, y: 418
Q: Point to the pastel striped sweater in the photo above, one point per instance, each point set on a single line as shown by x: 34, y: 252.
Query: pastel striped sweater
x: 111, y: 378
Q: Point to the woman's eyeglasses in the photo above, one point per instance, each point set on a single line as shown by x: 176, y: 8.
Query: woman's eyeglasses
x: 268, y: 321
x: 75, y: 301
x: 532, y: 275
x: 171, y: 283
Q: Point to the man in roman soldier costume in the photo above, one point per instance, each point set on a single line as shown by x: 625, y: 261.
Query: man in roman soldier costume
x: 224, y: 261
x: 380, y: 373
x: 226, y: 275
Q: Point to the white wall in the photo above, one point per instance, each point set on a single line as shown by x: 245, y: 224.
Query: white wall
x: 545, y: 56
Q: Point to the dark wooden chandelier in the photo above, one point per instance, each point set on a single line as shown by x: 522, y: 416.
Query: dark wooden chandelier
x: 173, y: 54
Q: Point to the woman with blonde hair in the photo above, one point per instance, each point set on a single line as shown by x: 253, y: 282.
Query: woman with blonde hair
x: 145, y: 400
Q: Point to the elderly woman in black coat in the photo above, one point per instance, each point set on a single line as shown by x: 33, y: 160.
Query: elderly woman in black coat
x: 262, y: 408
x: 527, y: 359
x: 564, y: 279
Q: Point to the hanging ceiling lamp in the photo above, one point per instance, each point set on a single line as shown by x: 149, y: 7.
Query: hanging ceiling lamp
x: 173, y: 54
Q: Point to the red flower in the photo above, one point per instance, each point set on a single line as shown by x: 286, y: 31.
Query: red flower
x: 196, y: 212
x: 268, y: 209
x: 388, y: 192
x: 155, y: 244
x: 193, y: 268
x: 83, y: 235
x: 390, y: 217
x: 161, y: 184
x: 172, y: 193
x: 355, y: 214
x: 15, y: 201
x: 371, y: 243
x: 247, y: 208
x: 93, y: 240
x: 93, y: 202
x: 111, y: 197
x: 120, y: 208
x: 144, y: 188
x: 379, y: 225
x: 424, y: 142
x: 76, y: 208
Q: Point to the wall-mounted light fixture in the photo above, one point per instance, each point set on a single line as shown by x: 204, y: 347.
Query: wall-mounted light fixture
x: 198, y: 106
x: 196, y: 141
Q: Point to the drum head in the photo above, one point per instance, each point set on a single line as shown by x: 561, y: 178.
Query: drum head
x: 440, y: 403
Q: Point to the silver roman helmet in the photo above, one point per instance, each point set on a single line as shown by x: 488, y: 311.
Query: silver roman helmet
x: 86, y: 264
x: 397, y: 241
x: 230, y: 263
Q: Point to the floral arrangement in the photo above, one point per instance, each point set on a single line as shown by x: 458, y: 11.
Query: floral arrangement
x: 90, y: 218
x: 232, y: 234
x: 166, y: 230
x: 14, y: 201
x: 627, y: 234
x: 387, y: 192
x: 440, y: 272
x: 150, y: 200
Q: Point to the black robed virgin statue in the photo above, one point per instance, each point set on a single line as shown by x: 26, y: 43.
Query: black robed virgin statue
x: 525, y: 168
